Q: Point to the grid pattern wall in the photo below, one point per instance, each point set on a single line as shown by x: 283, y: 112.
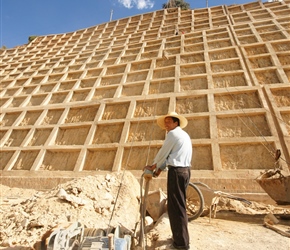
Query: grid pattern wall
x: 88, y: 100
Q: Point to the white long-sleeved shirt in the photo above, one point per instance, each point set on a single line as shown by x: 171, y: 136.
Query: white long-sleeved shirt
x: 175, y: 151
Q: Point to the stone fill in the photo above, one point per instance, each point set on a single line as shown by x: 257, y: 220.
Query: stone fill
x: 87, y: 101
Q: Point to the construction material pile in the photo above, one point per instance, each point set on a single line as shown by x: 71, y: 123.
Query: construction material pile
x: 100, y: 202
x: 26, y: 215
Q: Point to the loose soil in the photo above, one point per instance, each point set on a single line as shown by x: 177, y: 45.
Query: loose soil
x: 114, y: 199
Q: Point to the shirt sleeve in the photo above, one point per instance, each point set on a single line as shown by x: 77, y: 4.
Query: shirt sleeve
x: 164, y: 151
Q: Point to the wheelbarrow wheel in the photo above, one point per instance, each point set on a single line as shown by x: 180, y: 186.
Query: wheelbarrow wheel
x: 194, y: 202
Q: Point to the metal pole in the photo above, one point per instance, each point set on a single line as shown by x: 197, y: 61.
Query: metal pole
x: 111, y: 15
x: 142, y: 240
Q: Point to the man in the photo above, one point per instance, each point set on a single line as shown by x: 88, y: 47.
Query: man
x: 175, y: 154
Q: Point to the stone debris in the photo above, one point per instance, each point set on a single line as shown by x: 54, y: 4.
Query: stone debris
x: 227, y: 204
x: 74, y: 200
x: 100, y: 202
x: 90, y: 200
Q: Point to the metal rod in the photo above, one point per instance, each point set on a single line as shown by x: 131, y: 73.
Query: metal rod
x: 111, y: 15
x: 143, y: 212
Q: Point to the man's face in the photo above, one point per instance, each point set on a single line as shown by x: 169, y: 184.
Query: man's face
x: 170, y: 124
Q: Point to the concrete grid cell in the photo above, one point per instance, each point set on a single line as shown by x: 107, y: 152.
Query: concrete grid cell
x: 95, y: 161
x: 25, y: 160
x: 108, y: 133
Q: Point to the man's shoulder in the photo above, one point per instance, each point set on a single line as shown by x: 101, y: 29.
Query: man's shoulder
x: 178, y: 131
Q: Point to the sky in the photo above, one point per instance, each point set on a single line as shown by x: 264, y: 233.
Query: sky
x: 20, y: 19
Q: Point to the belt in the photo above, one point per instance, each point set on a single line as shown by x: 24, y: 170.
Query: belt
x: 169, y: 166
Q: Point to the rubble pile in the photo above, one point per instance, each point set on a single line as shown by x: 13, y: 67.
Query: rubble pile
x: 100, y: 202
x: 255, y: 208
x: 95, y: 201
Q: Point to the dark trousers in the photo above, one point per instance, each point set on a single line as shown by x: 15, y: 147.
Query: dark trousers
x: 177, y: 182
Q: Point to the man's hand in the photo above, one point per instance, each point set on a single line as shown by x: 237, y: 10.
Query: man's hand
x: 157, y: 172
x: 151, y: 168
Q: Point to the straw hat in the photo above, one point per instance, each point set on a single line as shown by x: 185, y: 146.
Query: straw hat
x: 182, y: 120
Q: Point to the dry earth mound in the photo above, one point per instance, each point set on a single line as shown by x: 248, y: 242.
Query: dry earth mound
x: 26, y: 215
